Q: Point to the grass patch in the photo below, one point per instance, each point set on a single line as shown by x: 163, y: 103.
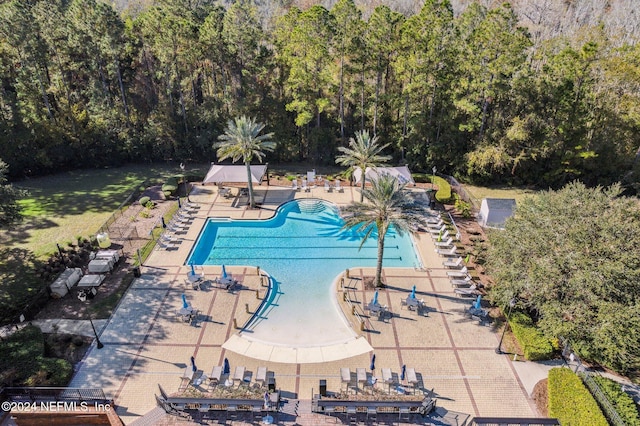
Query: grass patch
x: 477, y: 193
x: 22, y: 361
x: 62, y: 207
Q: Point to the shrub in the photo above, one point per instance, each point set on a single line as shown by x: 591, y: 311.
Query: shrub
x: 443, y: 195
x: 170, y: 186
x: 144, y: 201
x: 535, y: 345
x: 463, y: 207
x: 570, y: 401
x: 290, y: 178
x: 621, y: 401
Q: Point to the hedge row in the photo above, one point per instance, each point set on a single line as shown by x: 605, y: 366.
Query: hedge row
x: 570, y: 401
x: 536, y: 347
x: 621, y: 401
x: 443, y: 194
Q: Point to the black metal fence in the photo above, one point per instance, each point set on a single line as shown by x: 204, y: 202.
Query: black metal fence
x: 36, y: 394
x: 573, y: 361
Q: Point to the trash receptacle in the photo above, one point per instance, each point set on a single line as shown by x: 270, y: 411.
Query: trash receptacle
x: 271, y: 384
x: 323, y: 387
x: 136, y: 272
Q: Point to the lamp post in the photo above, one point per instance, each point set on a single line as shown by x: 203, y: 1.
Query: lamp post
x: 184, y: 180
x: 512, y: 303
x: 99, y: 343
x: 433, y: 181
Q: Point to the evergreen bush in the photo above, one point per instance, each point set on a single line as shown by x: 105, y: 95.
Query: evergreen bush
x: 570, y: 401
x: 535, y: 345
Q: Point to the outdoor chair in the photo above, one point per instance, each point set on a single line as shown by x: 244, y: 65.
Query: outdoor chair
x: 461, y: 282
x: 438, y: 231
x: 460, y: 273
x: 215, y: 376
x: 468, y: 292
x: 453, y: 251
x: 441, y: 236
x: 439, y: 223
x: 261, y: 376
x: 338, y: 187
x: 445, y: 243
x: 327, y: 187
x: 457, y: 263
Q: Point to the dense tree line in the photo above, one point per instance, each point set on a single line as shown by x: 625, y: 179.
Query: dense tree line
x: 474, y: 94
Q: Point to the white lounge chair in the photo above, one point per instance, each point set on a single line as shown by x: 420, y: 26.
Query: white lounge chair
x: 261, y: 375
x: 435, y: 225
x: 468, y: 292
x: 434, y: 219
x: 453, y: 251
x: 461, y: 282
x: 177, y: 227
x: 327, y: 187
x: 305, y: 187
x: 338, y: 187
x: 461, y: 273
x: 448, y: 243
x: 438, y: 231
x: 457, y: 263
x: 440, y: 235
x: 169, y: 239
x: 311, y: 176
x: 294, y: 185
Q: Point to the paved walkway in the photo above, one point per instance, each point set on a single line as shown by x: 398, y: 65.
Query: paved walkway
x: 146, y: 346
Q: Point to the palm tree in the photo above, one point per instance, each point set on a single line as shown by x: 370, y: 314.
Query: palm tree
x: 363, y: 152
x: 389, y: 204
x: 241, y: 141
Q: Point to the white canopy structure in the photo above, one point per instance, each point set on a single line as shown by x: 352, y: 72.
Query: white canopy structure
x: 401, y: 173
x: 494, y: 212
x: 219, y: 173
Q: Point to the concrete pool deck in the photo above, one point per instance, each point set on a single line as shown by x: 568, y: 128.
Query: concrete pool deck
x: 145, y: 346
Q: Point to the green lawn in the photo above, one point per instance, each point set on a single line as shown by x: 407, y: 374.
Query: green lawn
x: 64, y: 206
x: 480, y: 192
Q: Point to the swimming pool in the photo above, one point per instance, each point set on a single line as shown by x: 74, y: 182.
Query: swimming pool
x: 304, y: 248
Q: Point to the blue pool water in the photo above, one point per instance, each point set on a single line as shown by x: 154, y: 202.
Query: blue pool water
x: 304, y: 248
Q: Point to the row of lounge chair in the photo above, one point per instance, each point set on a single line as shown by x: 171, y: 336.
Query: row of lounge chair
x: 462, y: 282
x: 337, y: 186
x: 218, y: 377
x: 179, y: 224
